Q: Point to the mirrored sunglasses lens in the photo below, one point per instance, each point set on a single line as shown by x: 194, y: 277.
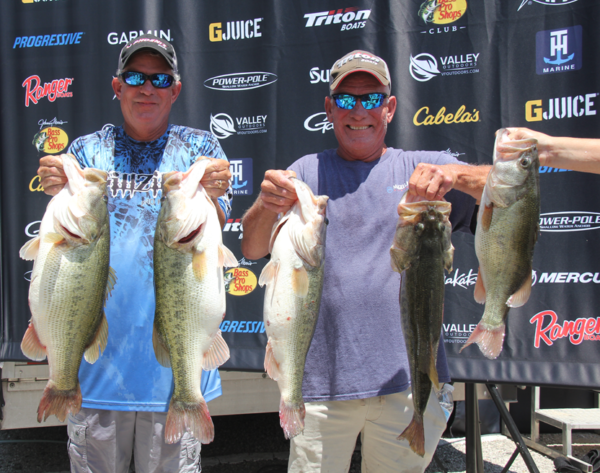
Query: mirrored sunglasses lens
x: 347, y: 102
x: 134, y: 78
x: 371, y: 101
x: 162, y: 81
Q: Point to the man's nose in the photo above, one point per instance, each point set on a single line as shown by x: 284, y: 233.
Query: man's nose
x: 147, y: 87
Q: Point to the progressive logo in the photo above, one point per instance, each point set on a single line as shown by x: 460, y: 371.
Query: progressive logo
x: 234, y: 30
x: 349, y: 18
x: 240, y: 81
x: 41, y: 41
x: 35, y: 90
x: 561, y: 107
x: 558, y: 50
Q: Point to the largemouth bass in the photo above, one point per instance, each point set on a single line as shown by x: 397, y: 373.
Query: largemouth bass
x: 507, y: 229
x: 420, y: 252
x: 189, y: 257
x: 69, y: 285
x: 294, y: 279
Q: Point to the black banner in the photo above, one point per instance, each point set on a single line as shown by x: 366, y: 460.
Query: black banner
x: 255, y: 73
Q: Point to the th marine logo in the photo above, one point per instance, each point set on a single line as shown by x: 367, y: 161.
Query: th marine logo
x: 558, y: 50
x: 349, y: 18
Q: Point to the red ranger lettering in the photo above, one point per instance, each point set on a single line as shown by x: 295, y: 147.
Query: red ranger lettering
x: 52, y: 90
x: 577, y: 331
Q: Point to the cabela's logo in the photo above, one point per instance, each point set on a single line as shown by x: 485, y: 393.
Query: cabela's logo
x: 423, y: 117
x: 51, y: 140
x: 441, y: 12
x: 34, y: 91
x: 240, y: 281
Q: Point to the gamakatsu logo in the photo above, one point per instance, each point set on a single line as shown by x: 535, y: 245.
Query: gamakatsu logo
x: 561, y: 107
x: 569, y: 221
x: 349, y: 18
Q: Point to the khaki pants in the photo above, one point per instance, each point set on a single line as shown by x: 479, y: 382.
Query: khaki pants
x: 102, y: 441
x: 331, y: 429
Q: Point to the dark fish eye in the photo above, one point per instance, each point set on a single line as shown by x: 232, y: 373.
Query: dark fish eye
x: 326, y: 221
x: 162, y: 199
x: 525, y: 162
x: 105, y: 198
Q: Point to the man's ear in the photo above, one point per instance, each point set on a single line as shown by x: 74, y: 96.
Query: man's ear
x: 117, y: 87
x: 329, y: 109
x: 176, y: 90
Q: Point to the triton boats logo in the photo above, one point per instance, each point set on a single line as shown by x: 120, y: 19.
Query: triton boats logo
x: 558, y: 50
x: 349, y: 18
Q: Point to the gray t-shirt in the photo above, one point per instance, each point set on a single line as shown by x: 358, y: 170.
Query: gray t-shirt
x: 358, y: 347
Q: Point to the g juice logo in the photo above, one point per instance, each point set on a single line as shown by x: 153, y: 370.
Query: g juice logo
x: 235, y: 30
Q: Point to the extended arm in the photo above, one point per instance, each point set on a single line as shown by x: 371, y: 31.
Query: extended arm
x: 577, y: 154
x: 277, y: 196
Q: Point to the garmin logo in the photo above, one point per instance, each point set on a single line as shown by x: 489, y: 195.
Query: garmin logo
x: 240, y: 81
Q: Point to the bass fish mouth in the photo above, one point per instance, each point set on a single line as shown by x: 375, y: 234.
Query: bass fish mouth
x: 190, y: 236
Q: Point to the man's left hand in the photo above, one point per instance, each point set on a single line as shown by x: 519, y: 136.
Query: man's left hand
x: 431, y: 182
x: 216, y: 177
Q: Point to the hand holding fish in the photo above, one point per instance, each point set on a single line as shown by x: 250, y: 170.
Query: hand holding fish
x: 277, y: 191
x: 216, y: 177
x: 430, y: 182
x: 52, y: 175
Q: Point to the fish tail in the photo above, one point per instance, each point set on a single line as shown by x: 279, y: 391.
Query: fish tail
x: 191, y: 416
x: 291, y: 418
x: 415, y: 435
x: 59, y: 402
x: 490, y: 340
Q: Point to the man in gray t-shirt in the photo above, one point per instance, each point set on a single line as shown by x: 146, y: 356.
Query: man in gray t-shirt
x: 357, y: 376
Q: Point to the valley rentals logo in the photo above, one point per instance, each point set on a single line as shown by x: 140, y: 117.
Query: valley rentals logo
x: 424, y: 66
x: 223, y: 126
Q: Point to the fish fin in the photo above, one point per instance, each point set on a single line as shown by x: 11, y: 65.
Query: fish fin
x: 400, y: 259
x: 161, y: 350
x: 199, y: 265
x: 271, y: 365
x: 31, y: 346
x: 30, y: 250
x: 98, y: 345
x: 433, y: 374
x: 110, y: 283
x: 59, y: 402
x: 522, y: 295
x: 291, y: 418
x: 269, y: 273
x: 193, y: 417
x: 217, y: 354
x: 479, y: 293
x: 226, y: 257
x: 489, y: 340
x: 486, y: 216
x: 300, y: 281
x: 415, y: 435
x: 52, y: 237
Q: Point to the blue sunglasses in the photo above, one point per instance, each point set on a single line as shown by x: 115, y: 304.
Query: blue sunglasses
x: 160, y: 80
x: 369, y: 101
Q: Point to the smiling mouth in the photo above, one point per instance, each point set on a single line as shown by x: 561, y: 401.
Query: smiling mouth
x: 358, y: 127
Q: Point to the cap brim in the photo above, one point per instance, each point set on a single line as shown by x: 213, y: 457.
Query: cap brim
x: 382, y: 80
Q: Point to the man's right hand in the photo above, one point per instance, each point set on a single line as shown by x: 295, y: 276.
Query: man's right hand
x: 52, y: 175
x: 278, y: 193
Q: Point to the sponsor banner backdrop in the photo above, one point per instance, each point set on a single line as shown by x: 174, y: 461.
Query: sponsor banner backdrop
x: 255, y: 73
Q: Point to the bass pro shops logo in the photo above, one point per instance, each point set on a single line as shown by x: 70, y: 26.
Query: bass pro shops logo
x: 349, y: 18
x: 34, y: 90
x: 240, y: 281
x: 442, y: 13
x: 50, y: 140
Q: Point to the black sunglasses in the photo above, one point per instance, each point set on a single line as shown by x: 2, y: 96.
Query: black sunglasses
x: 160, y: 80
x: 369, y: 101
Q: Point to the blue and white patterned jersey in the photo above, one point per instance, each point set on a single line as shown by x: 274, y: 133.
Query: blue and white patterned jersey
x: 127, y: 376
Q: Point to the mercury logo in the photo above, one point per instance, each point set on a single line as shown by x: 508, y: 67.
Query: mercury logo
x: 343, y: 16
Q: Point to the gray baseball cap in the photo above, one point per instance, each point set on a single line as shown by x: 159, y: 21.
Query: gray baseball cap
x: 359, y: 61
